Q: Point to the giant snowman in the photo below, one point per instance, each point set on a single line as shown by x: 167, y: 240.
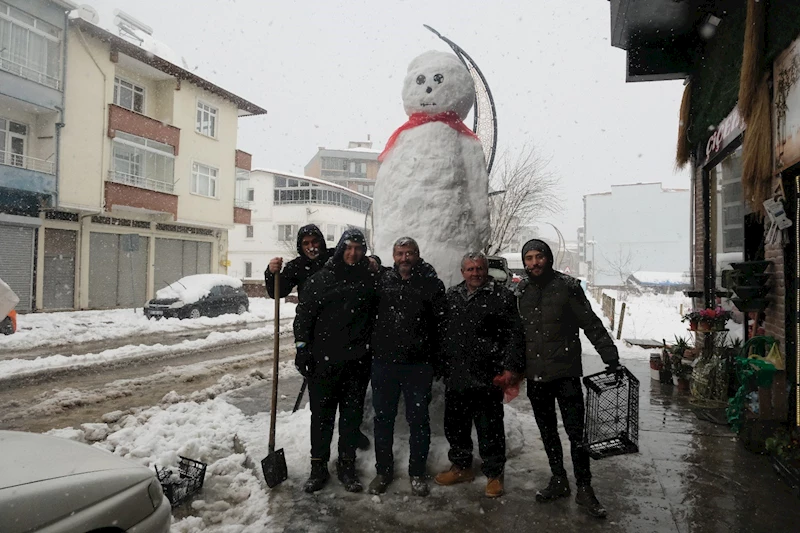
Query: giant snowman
x: 432, y: 184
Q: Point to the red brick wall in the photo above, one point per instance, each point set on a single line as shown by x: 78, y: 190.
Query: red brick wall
x: 775, y: 323
x: 699, y: 238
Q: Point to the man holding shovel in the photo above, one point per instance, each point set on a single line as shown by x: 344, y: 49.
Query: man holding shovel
x: 332, y: 332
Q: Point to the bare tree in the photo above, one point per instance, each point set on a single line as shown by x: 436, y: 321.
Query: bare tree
x: 526, y: 191
x: 621, y: 266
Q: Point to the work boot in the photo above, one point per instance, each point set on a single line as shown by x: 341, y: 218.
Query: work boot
x: 456, y: 474
x: 346, y: 472
x: 494, y: 487
x: 419, y: 487
x: 586, y: 499
x: 379, y: 484
x: 557, y: 488
x: 362, y: 441
x: 319, y: 476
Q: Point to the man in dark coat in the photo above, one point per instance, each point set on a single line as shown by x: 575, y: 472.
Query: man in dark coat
x: 553, y: 306
x: 405, y: 343
x: 332, y: 332
x: 311, y: 256
x: 483, y: 341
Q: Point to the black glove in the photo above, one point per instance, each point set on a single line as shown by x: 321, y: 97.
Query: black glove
x: 617, y: 369
x: 304, y: 361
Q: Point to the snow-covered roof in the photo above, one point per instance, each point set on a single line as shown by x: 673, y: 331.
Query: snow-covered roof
x: 662, y: 278
x: 191, y: 288
x: 311, y: 179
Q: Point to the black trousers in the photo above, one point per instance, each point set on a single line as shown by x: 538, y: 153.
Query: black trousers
x: 341, y: 384
x: 568, y: 393
x: 414, y: 382
x: 484, y: 407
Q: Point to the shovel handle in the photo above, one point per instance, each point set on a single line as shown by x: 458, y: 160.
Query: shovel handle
x: 275, y: 352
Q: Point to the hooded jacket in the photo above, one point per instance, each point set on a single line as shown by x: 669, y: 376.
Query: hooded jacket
x: 297, y: 271
x: 553, y: 307
x: 410, y: 316
x: 336, y: 307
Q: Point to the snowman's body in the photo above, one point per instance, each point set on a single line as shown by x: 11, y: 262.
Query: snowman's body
x: 432, y: 185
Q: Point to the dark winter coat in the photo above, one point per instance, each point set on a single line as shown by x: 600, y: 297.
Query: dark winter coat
x: 483, y: 337
x: 553, y: 306
x: 300, y: 269
x: 337, y: 305
x: 410, y: 316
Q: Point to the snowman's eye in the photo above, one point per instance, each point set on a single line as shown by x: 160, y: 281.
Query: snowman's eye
x: 438, y: 78
x: 420, y: 79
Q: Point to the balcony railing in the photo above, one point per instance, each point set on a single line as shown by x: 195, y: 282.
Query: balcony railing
x: 244, y: 204
x: 140, y: 181
x: 27, y: 162
x: 28, y: 73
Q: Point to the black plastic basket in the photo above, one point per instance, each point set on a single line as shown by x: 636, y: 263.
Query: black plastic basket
x: 192, y: 475
x: 612, y: 414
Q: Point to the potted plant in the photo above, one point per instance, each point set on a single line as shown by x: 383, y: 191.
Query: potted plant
x: 680, y: 371
x: 706, y: 320
x: 784, y: 451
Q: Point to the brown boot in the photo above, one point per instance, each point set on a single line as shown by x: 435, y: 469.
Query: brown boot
x: 494, y: 487
x: 455, y: 475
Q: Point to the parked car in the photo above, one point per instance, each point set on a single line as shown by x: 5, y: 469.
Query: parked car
x: 199, y: 295
x: 62, y: 486
x: 498, y: 269
x: 9, y: 324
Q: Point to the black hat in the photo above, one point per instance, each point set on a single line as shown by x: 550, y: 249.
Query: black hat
x: 540, y: 246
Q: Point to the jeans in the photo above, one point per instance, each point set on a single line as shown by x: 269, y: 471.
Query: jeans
x: 341, y: 384
x: 414, y: 381
x: 484, y: 407
x: 569, y: 394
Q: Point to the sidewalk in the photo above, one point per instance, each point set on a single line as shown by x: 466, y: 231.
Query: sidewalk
x: 690, y: 476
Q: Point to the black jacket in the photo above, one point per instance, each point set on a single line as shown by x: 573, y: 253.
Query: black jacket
x: 410, y: 316
x: 297, y: 271
x: 483, y: 336
x: 336, y: 308
x: 553, y: 307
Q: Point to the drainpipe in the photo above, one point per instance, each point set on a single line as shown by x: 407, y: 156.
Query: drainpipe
x: 60, y: 124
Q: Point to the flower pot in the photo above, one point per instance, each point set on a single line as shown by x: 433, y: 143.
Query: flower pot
x: 704, y: 327
x: 693, y: 325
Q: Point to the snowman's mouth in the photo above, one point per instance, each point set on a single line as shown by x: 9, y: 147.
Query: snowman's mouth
x: 425, y: 105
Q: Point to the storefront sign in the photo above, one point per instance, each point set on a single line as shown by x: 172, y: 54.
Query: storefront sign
x: 728, y: 130
x: 786, y: 108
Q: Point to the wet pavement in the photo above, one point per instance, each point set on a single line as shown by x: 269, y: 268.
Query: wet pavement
x: 690, y: 476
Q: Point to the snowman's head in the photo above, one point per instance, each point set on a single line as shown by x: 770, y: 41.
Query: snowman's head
x: 437, y: 82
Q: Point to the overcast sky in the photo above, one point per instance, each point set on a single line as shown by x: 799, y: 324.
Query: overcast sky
x: 331, y: 71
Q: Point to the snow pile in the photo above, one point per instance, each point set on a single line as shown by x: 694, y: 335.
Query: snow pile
x: 649, y: 316
x: 662, y: 278
x: 192, y: 288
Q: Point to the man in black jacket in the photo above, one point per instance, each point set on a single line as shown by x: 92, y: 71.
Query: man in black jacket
x: 405, y: 341
x: 553, y: 306
x: 483, y: 341
x: 311, y: 256
x: 332, y: 332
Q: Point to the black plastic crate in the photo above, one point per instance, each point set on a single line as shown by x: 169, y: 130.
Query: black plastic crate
x: 612, y: 414
x: 192, y: 474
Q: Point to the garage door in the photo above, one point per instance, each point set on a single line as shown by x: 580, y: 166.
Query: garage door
x: 16, y: 262
x: 176, y: 258
x: 59, y: 268
x: 117, y: 278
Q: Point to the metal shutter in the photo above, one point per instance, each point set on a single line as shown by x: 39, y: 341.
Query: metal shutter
x: 103, y: 270
x: 59, y: 268
x: 203, y: 257
x: 132, y: 275
x: 189, y: 258
x: 168, y: 266
x: 16, y: 262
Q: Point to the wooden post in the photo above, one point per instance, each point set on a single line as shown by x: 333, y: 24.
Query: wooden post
x: 681, y: 312
x: 621, y: 320
x: 613, y: 308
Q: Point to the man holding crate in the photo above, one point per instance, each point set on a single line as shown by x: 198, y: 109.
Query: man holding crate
x: 553, y: 307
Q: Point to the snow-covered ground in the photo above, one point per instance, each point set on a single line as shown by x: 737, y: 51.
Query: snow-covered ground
x: 652, y: 316
x: 73, y: 327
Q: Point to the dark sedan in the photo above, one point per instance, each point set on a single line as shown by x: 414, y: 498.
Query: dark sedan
x: 199, y: 295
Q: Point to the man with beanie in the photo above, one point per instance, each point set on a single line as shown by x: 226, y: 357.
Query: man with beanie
x: 553, y: 306
x: 406, y: 345
x: 332, y: 332
x: 483, y: 347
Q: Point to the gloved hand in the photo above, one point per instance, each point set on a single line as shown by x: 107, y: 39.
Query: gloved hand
x: 617, y: 369
x: 304, y: 361
x: 506, y: 379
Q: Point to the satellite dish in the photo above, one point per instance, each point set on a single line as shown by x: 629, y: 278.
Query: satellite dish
x: 89, y: 14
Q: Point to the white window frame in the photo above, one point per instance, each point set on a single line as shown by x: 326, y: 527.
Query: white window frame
x: 249, y: 231
x: 23, y: 66
x: 291, y: 236
x: 138, y: 174
x: 251, y: 195
x: 330, y: 234
x: 206, y: 114
x: 248, y: 269
x: 134, y: 88
x: 212, y: 176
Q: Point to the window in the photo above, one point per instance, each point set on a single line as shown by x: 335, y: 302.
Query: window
x: 204, y: 180
x: 248, y: 268
x: 296, y: 191
x: 287, y: 232
x: 142, y: 163
x: 365, y: 188
x: 206, y: 119
x: 128, y: 95
x: 13, y: 142
x: 331, y: 235
x: 249, y: 232
x: 29, y: 47
x: 251, y: 195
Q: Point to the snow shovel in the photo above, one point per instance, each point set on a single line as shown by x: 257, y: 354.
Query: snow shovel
x: 274, y: 464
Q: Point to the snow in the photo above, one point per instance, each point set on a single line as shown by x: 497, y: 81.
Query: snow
x: 433, y: 185
x: 157, y: 48
x: 192, y: 288
x: 662, y: 278
x: 650, y: 316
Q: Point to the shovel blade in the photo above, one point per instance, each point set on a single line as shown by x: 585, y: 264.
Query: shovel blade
x: 274, y: 468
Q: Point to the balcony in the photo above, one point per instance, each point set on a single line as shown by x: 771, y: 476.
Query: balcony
x: 134, y: 123
x: 140, y: 181
x: 149, y: 200
x: 28, y: 73
x: 27, y: 174
x: 241, y: 215
x: 27, y: 162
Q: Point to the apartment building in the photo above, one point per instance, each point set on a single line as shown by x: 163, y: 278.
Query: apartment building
x: 147, y: 175
x: 281, y: 204
x: 32, y: 57
x: 354, y: 167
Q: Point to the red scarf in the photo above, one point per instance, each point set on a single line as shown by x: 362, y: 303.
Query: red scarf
x: 418, y: 119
